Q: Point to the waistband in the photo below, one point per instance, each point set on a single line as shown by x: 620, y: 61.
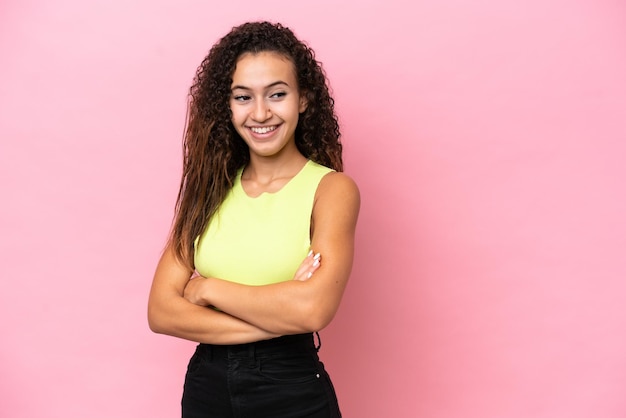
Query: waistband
x: 286, y: 343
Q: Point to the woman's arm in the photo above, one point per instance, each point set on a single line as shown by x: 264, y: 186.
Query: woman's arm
x: 170, y: 313
x: 298, y: 305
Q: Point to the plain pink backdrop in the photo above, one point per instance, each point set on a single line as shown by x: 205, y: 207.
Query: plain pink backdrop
x: 488, y: 140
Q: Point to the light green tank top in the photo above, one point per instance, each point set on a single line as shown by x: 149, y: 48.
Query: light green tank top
x: 261, y: 240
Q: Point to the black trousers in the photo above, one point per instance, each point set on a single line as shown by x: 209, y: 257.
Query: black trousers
x: 282, y: 377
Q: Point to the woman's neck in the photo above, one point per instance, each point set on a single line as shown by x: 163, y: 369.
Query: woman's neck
x: 261, y: 168
x: 263, y: 174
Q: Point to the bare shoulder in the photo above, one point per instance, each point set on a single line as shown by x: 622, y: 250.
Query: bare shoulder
x: 337, y: 182
x: 336, y: 192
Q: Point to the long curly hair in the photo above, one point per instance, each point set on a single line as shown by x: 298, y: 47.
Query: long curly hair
x: 213, y: 151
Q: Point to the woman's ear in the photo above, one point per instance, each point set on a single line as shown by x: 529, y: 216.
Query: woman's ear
x: 304, y: 102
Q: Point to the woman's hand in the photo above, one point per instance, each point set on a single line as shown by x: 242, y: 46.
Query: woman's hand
x: 195, y: 289
x: 308, y: 267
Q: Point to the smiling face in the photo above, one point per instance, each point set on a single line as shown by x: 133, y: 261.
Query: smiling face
x: 265, y: 103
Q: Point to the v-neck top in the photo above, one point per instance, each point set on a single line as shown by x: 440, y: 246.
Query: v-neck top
x: 260, y: 240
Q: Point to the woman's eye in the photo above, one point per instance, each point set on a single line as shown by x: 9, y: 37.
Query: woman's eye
x: 241, y: 98
x: 278, y: 95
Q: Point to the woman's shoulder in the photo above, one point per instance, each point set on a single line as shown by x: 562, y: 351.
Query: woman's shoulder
x: 337, y: 203
x: 336, y: 186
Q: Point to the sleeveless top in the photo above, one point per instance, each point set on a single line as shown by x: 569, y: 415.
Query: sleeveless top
x: 260, y: 240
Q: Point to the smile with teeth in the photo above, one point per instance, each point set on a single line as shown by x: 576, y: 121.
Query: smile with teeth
x: 262, y: 129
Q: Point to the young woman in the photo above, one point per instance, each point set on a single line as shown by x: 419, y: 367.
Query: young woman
x: 262, y: 243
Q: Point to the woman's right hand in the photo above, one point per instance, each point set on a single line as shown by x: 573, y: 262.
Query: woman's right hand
x: 308, y: 266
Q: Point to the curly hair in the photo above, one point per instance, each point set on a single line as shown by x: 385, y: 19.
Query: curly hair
x: 213, y: 151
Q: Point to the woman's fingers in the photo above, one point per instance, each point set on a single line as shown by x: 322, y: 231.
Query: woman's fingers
x: 302, y: 269
x: 308, y: 266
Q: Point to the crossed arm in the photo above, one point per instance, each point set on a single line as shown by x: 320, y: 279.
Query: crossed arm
x: 178, y: 306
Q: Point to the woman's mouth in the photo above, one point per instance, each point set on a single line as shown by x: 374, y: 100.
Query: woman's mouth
x: 263, y: 129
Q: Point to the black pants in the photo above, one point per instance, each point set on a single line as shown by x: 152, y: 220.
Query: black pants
x: 282, y: 377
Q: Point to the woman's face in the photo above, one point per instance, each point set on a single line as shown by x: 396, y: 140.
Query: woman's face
x: 265, y: 103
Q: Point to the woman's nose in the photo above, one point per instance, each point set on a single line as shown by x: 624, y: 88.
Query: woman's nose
x: 261, y: 111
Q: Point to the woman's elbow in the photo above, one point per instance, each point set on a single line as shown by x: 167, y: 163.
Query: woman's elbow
x: 317, y: 319
x: 154, y: 325
x: 155, y: 320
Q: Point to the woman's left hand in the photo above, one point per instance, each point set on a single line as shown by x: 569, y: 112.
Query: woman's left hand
x: 195, y: 290
x: 308, y: 267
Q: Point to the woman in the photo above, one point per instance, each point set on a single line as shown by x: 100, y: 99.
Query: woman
x: 262, y: 243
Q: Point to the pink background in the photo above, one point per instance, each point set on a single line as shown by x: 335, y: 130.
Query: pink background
x: 488, y: 140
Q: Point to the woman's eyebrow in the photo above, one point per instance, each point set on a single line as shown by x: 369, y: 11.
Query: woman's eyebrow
x: 269, y: 86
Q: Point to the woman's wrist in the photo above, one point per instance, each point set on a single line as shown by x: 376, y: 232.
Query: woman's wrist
x: 205, y: 292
